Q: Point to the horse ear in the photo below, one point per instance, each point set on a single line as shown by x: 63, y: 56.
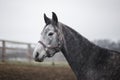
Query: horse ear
x: 46, y: 19
x: 54, y: 18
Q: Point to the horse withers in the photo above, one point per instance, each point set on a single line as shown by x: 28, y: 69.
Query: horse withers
x: 87, y: 60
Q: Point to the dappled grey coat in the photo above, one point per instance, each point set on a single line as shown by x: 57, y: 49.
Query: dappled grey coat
x: 88, y: 61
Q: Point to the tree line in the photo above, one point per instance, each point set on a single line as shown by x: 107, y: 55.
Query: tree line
x: 109, y: 44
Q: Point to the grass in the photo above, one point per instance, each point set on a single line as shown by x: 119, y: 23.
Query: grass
x: 57, y: 64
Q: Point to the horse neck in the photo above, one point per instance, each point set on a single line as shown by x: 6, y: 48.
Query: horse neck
x: 77, y: 49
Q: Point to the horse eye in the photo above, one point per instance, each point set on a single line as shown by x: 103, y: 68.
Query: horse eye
x: 50, y: 34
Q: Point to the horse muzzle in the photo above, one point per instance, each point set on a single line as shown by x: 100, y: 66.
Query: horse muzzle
x: 39, y: 54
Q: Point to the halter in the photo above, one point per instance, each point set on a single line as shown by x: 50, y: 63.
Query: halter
x: 46, y: 48
x: 55, y: 48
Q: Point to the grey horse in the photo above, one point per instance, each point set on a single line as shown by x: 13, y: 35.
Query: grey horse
x: 87, y: 60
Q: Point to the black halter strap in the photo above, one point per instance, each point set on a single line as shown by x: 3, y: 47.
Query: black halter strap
x: 46, y: 48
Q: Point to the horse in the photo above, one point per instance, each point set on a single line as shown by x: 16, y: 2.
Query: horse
x: 87, y: 60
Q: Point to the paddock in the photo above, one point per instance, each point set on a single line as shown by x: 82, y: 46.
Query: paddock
x: 23, y: 71
x: 16, y: 64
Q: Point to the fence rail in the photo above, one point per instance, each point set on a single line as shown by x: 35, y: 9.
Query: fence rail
x: 4, y: 47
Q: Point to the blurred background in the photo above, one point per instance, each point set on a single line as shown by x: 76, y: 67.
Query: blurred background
x: 21, y: 22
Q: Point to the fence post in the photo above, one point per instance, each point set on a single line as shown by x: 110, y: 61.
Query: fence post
x: 3, y: 51
x: 29, y: 53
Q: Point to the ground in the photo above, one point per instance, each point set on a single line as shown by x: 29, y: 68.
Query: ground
x: 10, y: 71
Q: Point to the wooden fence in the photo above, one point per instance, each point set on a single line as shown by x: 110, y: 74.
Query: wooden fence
x: 7, y: 45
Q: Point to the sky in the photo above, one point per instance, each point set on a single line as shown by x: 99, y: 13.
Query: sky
x: 22, y: 20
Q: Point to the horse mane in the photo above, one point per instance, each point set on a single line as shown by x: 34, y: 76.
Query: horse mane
x: 68, y: 31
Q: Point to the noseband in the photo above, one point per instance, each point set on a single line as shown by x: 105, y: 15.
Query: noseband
x: 55, y: 48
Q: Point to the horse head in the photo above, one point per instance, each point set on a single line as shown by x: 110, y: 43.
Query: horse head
x: 50, y: 39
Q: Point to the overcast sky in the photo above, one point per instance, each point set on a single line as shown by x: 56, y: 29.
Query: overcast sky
x: 22, y: 20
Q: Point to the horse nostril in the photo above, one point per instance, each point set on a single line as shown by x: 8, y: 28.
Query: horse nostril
x: 37, y: 54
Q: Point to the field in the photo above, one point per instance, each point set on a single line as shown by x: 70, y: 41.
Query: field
x: 10, y: 71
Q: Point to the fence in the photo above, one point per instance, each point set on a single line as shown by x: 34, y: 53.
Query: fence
x: 22, y: 52
x: 13, y: 50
